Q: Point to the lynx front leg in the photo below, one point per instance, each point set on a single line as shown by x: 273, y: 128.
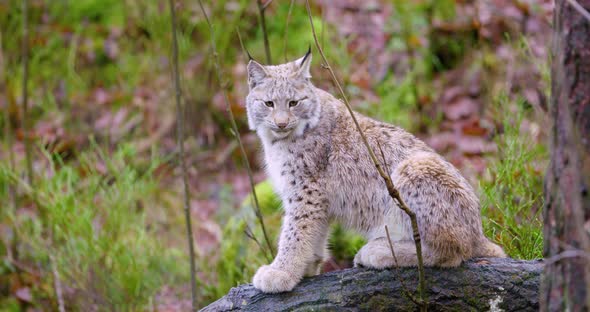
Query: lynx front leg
x: 320, y: 254
x: 304, y: 227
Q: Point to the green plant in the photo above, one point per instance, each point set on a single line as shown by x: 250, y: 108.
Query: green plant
x: 344, y: 243
x: 396, y: 104
x: 513, y: 198
x: 236, y: 262
x: 239, y: 255
x: 94, y: 225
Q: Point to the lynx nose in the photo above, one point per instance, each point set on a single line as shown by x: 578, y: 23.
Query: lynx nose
x: 281, y: 119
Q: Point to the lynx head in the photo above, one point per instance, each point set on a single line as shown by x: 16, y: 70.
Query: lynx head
x: 282, y: 101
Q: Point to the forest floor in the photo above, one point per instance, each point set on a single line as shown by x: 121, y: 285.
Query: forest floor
x: 102, y: 219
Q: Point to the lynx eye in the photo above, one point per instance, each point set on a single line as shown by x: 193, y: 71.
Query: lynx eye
x: 293, y: 103
x: 269, y: 104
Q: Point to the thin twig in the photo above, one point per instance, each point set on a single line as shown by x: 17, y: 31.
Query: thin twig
x: 183, y: 168
x: 578, y: 7
x: 266, y: 4
x: 322, y: 37
x: 567, y: 254
x: 25, y: 96
x: 261, y: 9
x: 399, y: 276
x: 8, y: 131
x: 250, y: 235
x: 385, y: 164
x: 57, y: 285
x: 393, y: 192
x: 235, y: 130
x: 285, y: 37
x: 401, y: 279
x: 242, y: 43
x: 254, y: 197
x: 390, y: 245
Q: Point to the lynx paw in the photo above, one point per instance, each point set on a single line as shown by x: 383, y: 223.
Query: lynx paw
x: 271, y: 280
x: 372, y: 256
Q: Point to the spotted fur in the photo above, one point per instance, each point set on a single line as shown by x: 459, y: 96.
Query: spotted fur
x: 322, y: 172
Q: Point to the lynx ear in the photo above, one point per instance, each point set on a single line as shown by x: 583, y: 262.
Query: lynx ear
x: 303, y: 65
x: 256, y: 73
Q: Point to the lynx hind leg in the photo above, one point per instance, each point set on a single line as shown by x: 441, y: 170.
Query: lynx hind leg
x: 377, y: 254
x: 485, y: 248
x: 447, y: 209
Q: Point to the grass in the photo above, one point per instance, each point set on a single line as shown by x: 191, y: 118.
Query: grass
x: 512, y: 199
x: 94, y: 225
x: 397, y: 102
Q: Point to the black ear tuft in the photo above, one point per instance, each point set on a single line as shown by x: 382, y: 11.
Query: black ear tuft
x: 306, y: 56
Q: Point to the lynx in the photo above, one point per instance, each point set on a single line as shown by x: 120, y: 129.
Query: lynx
x: 322, y: 172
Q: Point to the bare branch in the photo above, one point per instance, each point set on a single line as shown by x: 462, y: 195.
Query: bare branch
x: 11, y: 246
x: 57, y: 285
x: 567, y: 254
x: 385, y: 164
x: 250, y: 234
x: 8, y: 131
x: 401, y: 279
x: 242, y: 43
x: 322, y: 37
x: 266, y: 4
x: 25, y: 95
x: 578, y: 7
x: 235, y: 130
x: 390, y: 244
x: 261, y: 9
x: 254, y: 198
x: 285, y: 37
x: 183, y: 168
x: 393, y: 192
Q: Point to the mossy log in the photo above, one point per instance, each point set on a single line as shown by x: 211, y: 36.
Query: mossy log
x: 485, y: 284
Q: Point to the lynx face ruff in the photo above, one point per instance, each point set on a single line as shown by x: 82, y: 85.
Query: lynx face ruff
x: 322, y: 172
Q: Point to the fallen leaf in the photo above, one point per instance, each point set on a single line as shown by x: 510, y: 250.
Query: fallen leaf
x: 24, y: 294
x: 460, y: 108
x: 473, y: 128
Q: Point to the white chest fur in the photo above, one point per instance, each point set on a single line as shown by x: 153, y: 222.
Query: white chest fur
x: 274, y: 159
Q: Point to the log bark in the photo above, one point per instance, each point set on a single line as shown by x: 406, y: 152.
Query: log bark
x: 566, y: 278
x: 485, y: 284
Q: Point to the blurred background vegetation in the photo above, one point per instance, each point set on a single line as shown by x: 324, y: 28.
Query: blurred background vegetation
x: 102, y: 219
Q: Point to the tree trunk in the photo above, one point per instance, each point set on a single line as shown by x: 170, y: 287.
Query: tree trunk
x: 566, y: 277
x: 492, y: 284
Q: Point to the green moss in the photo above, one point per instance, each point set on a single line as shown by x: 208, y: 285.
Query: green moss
x: 9, y: 305
x: 383, y: 303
